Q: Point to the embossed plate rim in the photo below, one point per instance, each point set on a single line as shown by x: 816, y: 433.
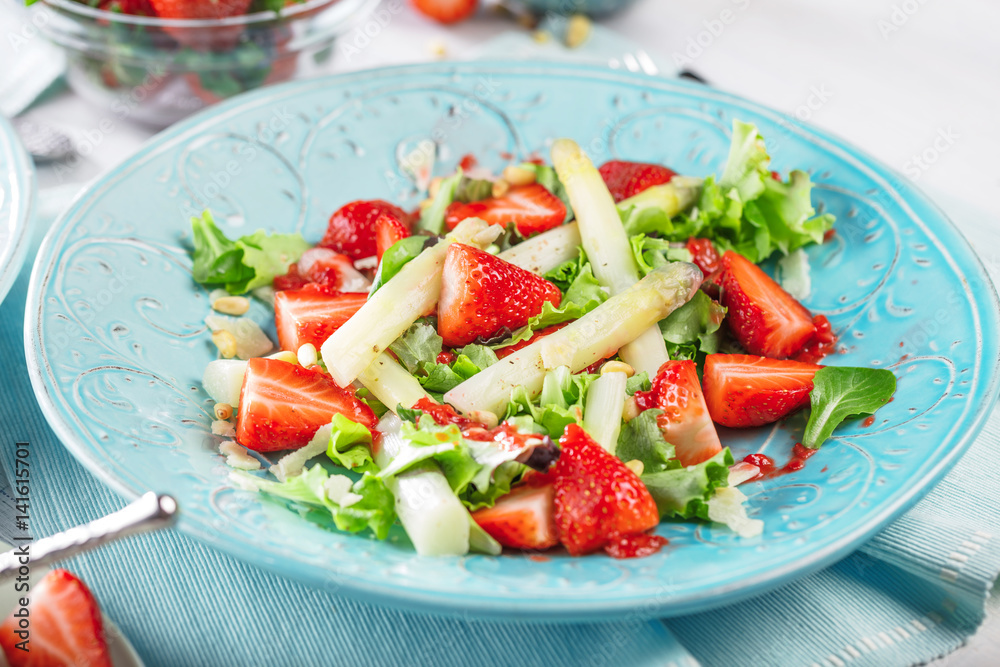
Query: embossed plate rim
x: 971, y: 420
x: 15, y: 160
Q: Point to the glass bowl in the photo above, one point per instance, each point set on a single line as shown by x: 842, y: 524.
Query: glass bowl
x: 157, y: 71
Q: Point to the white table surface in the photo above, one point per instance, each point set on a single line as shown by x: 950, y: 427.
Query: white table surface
x: 895, y: 75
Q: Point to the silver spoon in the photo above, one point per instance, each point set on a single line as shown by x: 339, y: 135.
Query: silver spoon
x: 152, y: 511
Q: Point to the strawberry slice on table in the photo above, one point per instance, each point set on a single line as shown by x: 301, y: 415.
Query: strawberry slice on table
x: 332, y: 270
x: 685, y: 422
x: 483, y: 295
x: 764, y: 318
x: 282, y: 405
x: 627, y: 179
x: 351, y: 229
x: 746, y: 390
x: 522, y: 519
x: 388, y: 230
x: 447, y: 11
x: 532, y: 208
x: 311, y: 314
x: 66, y: 626
x: 598, y: 500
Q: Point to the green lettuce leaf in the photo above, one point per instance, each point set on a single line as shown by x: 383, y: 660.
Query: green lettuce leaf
x: 396, y: 257
x: 440, y: 378
x: 350, y: 445
x: 748, y: 165
x: 684, y: 492
x: 638, y: 382
x: 560, y: 403
x: 785, y: 210
x: 249, y: 262
x: 843, y: 393
x: 375, y: 510
x: 652, y: 253
x: 642, y: 440
x: 503, y: 478
x: 473, y: 189
x: 420, y: 344
x: 693, y: 328
x: 432, y: 217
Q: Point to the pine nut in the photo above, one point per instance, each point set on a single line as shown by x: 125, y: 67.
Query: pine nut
x: 223, y: 411
x: 518, y: 175
x: 500, y: 188
x: 307, y: 355
x: 635, y: 465
x: 286, y: 356
x: 631, y: 409
x: 577, y: 30
x: 231, y: 305
x: 616, y: 366
x: 226, y: 343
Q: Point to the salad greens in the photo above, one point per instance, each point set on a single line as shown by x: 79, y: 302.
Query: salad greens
x: 684, y: 493
x: 239, y: 266
x: 843, y: 393
x: 350, y: 445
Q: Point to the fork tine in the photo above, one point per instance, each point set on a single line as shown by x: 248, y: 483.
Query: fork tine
x: 647, y: 64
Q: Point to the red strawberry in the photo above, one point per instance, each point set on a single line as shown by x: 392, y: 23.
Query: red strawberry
x: 311, y: 314
x: 202, y: 39
x: 627, y: 179
x: 447, y: 11
x: 291, y: 280
x: 351, y: 229
x: 134, y: 7
x: 332, y: 270
x: 541, y: 333
x: 66, y: 627
x: 523, y: 519
x: 531, y: 207
x: 282, y: 405
x: 746, y: 390
x: 598, y: 500
x: 821, y: 344
x: 685, y: 422
x: 764, y: 318
x: 703, y: 255
x: 388, y: 230
x: 482, y: 295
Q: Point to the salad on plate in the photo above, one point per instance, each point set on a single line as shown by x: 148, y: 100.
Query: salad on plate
x: 533, y: 359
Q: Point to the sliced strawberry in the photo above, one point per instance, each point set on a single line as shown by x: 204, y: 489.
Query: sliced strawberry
x: 523, y: 519
x: 134, y: 7
x: 703, y: 255
x: 531, y: 207
x: 685, y: 422
x: 764, y: 318
x: 351, y: 229
x: 332, y: 270
x: 311, y: 314
x: 291, y: 280
x: 747, y: 390
x: 388, y: 230
x: 822, y: 343
x: 627, y: 179
x: 65, y: 628
x: 483, y: 295
x: 218, y: 38
x: 447, y: 11
x: 598, y: 500
x: 282, y: 405
x: 541, y: 333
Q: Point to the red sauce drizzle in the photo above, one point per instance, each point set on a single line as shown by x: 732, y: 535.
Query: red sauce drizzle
x: 869, y: 420
x: 638, y: 545
x: 538, y: 558
x: 446, y: 357
x: 829, y: 234
x: 444, y: 414
x: 767, y: 468
x: 763, y: 462
x: 468, y: 161
x: 821, y: 344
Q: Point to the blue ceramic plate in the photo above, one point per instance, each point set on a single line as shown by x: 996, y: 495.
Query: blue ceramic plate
x: 16, y: 197
x: 116, y: 343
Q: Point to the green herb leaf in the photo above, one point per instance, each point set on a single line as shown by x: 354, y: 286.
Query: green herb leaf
x: 843, y: 393
x: 396, y: 257
x: 641, y: 439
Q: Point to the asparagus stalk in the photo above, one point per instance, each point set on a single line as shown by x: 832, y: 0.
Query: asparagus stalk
x: 602, y: 416
x: 606, y: 244
x: 596, y: 335
x: 399, y: 303
x: 673, y: 197
x: 391, y: 384
x: 544, y: 252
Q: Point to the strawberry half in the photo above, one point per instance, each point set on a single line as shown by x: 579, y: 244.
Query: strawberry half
x: 598, y: 500
x: 447, y: 11
x: 282, y: 405
x: 332, y: 270
x: 351, y: 229
x: 522, y: 519
x: 764, y: 318
x: 627, y: 179
x: 685, y: 422
x: 66, y: 626
x: 745, y: 390
x: 532, y: 208
x: 388, y: 230
x: 482, y: 295
x: 311, y: 314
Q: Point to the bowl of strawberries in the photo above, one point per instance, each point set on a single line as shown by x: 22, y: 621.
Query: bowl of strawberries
x: 157, y: 61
